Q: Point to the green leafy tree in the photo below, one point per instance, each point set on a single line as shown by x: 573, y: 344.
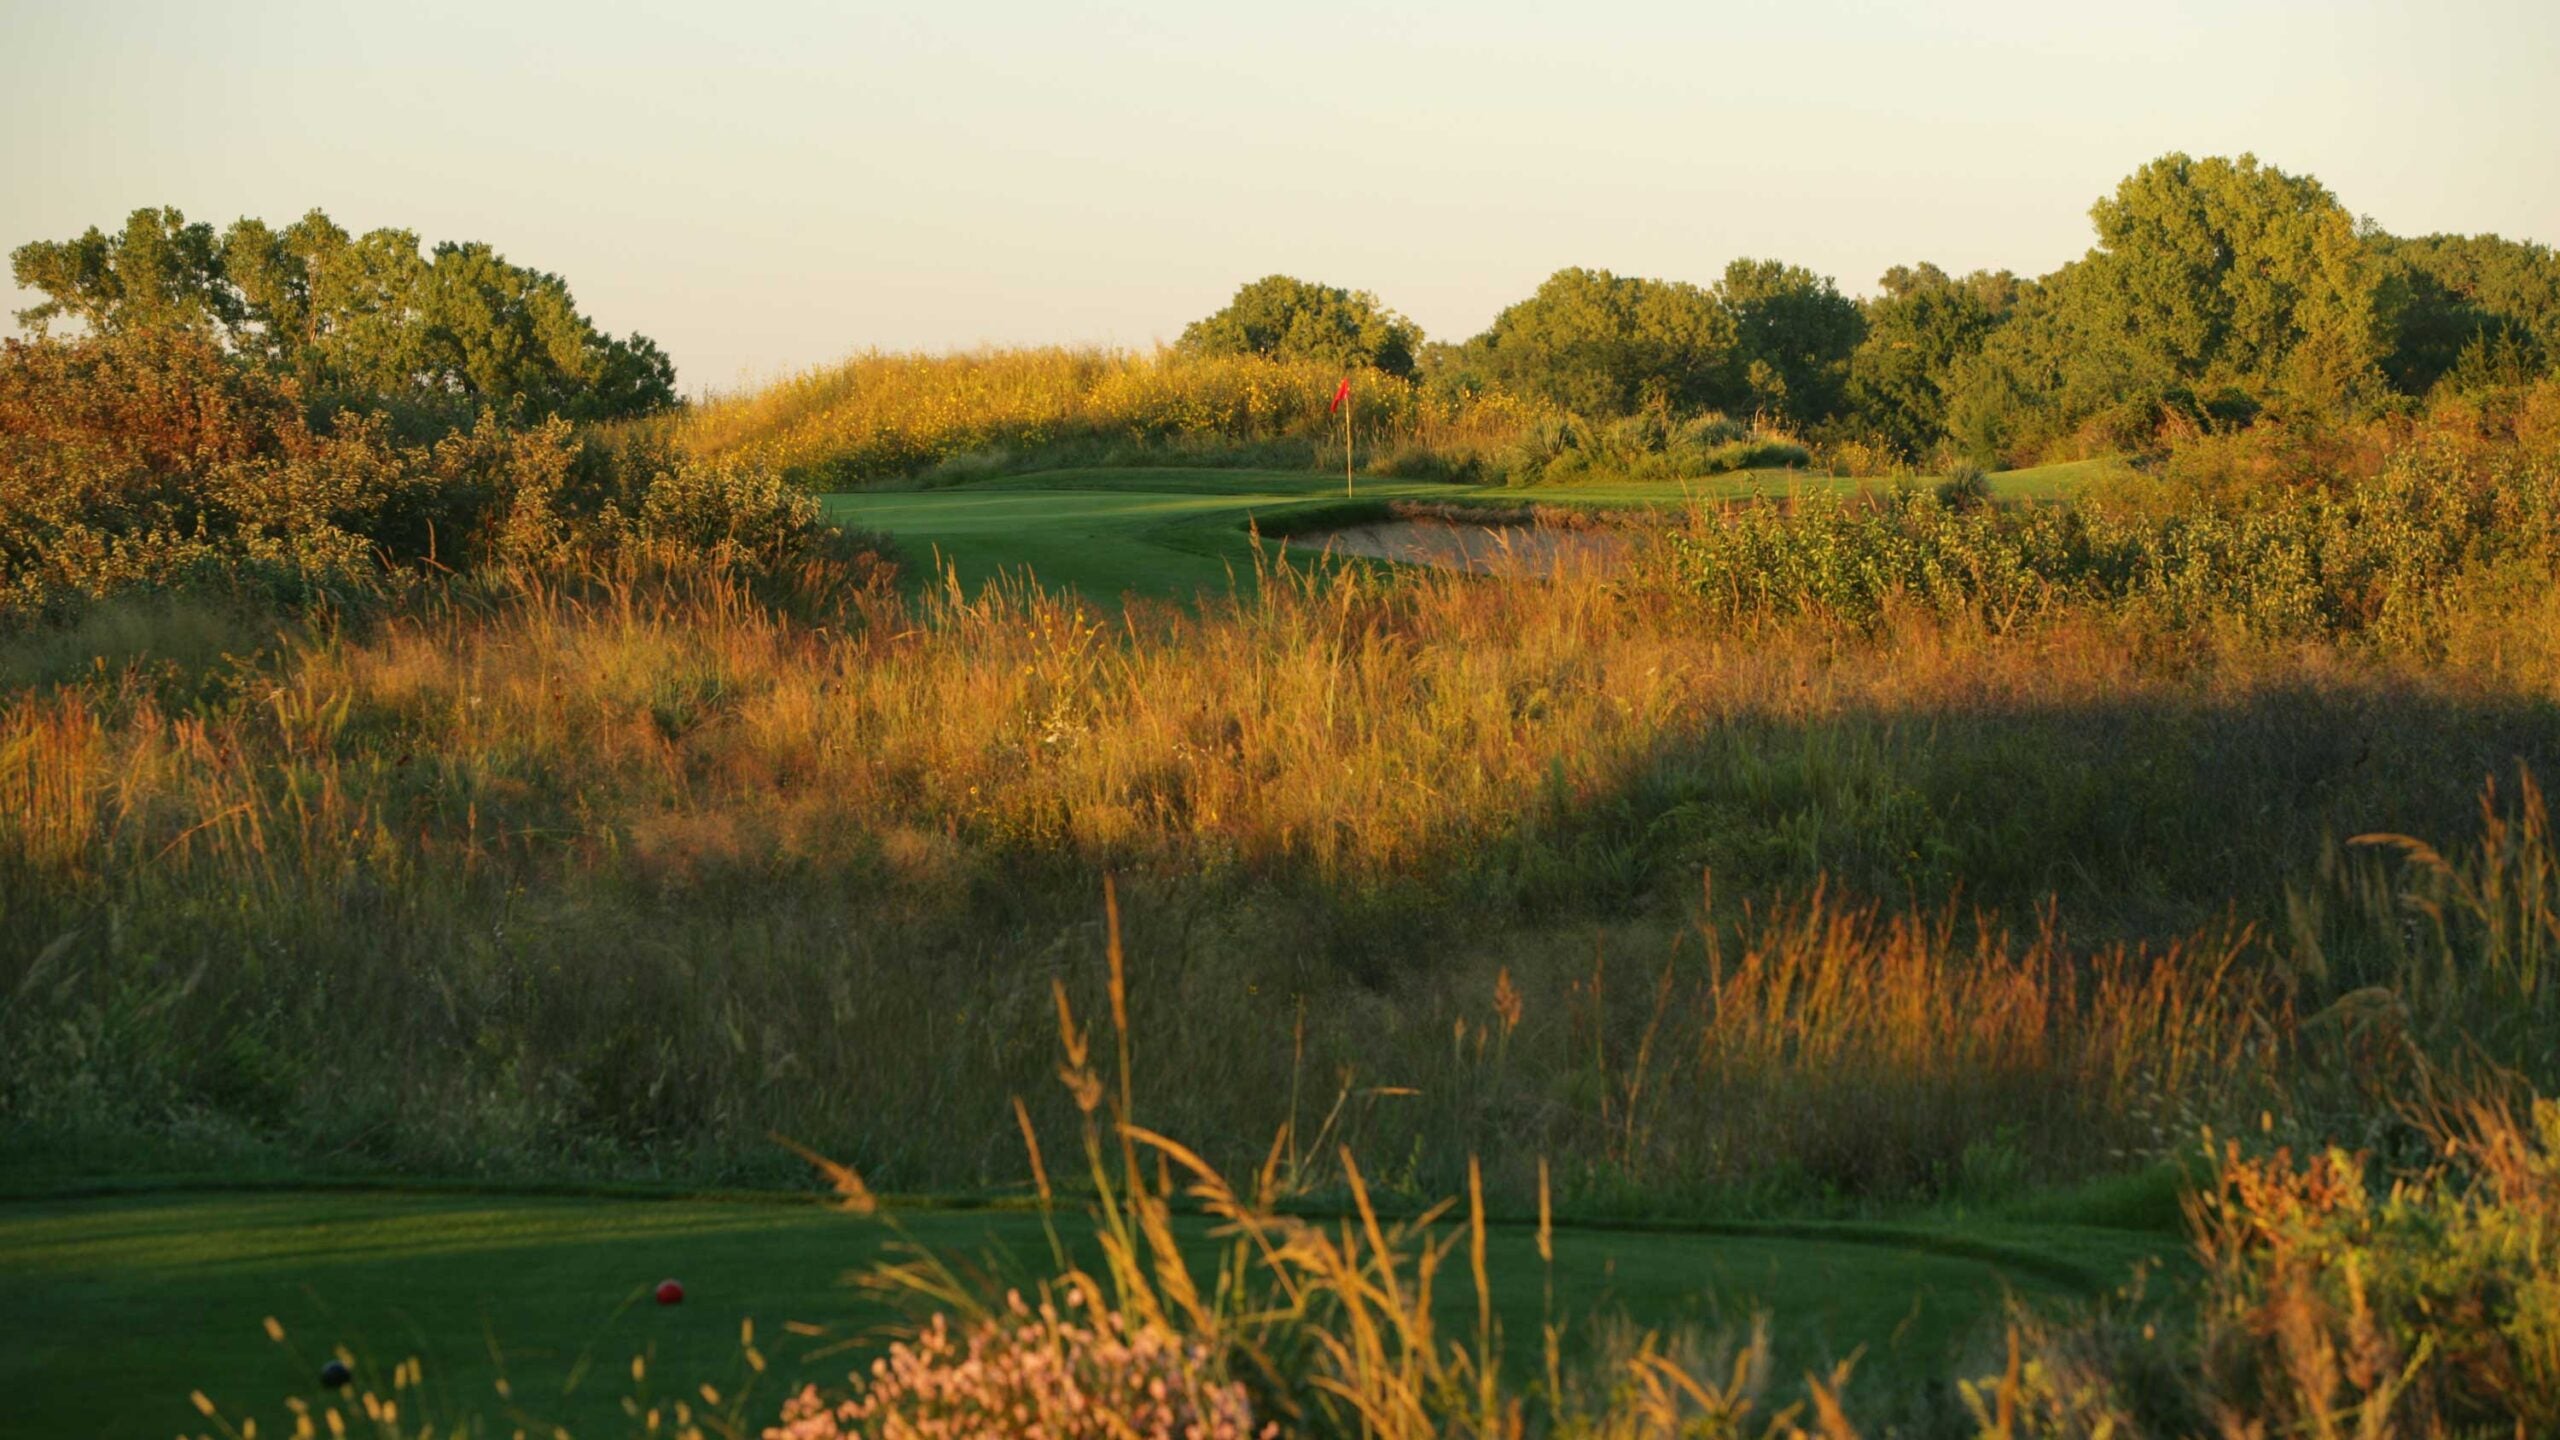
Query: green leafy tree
x: 2221, y: 274
x: 159, y: 272
x: 1292, y: 319
x: 2047, y: 372
x: 2219, y: 288
x: 1603, y: 345
x: 1918, y: 330
x: 2477, y: 304
x: 340, y: 313
x: 358, y: 321
x: 1793, y: 334
x: 501, y: 334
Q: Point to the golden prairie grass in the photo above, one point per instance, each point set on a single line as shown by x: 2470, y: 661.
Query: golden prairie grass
x: 1312, y: 1327
x: 2327, y: 1305
x: 630, y: 873
x: 881, y: 415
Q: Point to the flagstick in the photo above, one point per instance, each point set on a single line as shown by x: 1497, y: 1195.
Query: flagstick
x: 1346, y: 439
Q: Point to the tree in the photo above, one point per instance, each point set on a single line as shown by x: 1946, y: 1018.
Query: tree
x: 2472, y: 302
x: 2218, y: 289
x: 358, y: 321
x: 338, y: 312
x: 1291, y: 319
x: 2221, y: 275
x: 1600, y: 344
x: 1793, y: 334
x: 1917, y: 331
x: 158, y: 273
x: 2047, y: 371
x: 503, y: 335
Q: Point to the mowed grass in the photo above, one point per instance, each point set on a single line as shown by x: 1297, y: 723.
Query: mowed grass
x: 118, y: 1307
x: 1173, y: 533
x: 2059, y: 481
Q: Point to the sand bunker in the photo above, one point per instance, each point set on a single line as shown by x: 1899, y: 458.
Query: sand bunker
x: 1479, y: 549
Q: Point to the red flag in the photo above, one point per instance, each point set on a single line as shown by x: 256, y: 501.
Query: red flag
x: 1341, y: 393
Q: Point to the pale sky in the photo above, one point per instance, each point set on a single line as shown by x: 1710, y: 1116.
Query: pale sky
x: 764, y: 186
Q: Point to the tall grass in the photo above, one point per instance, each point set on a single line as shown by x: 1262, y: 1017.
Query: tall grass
x: 1312, y: 1328
x: 945, y: 418
x: 2324, y: 1303
x: 616, y: 874
x: 878, y: 416
x: 2428, y: 529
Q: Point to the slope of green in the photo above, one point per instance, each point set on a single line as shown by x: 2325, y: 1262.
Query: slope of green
x: 1175, y: 532
x: 2058, y: 481
x: 118, y: 1307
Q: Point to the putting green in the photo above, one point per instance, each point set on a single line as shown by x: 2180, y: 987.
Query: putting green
x: 117, y: 1308
x: 1173, y: 533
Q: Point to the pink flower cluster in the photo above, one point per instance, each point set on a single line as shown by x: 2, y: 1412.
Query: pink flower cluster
x: 1038, y: 1374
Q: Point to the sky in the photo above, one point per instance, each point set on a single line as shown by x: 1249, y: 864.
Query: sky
x: 766, y: 186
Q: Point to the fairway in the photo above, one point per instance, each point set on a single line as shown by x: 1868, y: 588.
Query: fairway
x: 118, y: 1307
x: 1173, y: 533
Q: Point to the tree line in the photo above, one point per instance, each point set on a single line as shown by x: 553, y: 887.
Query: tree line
x: 364, y: 322
x: 2218, y: 291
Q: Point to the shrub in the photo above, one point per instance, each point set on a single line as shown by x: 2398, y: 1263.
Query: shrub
x: 1707, y: 430
x: 143, y: 459
x: 1634, y: 438
x: 2332, y: 1303
x: 1415, y: 461
x: 2357, y: 556
x: 726, y: 508
x: 1762, y: 453
x: 1966, y: 487
x: 2435, y: 1303
x: 1065, y: 1369
x: 151, y: 459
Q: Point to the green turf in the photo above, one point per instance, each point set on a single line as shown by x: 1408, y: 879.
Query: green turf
x: 2056, y: 482
x: 1173, y: 533
x: 118, y: 1307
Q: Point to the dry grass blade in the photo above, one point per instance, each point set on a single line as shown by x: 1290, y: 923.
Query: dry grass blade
x: 853, y: 1196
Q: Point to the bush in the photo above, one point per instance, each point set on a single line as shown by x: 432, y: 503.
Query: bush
x: 1966, y: 487
x: 2436, y: 1301
x: 152, y: 459
x: 1647, y: 445
x: 1070, y: 1370
x: 725, y: 508
x: 1756, y: 454
x: 2379, y: 552
x: 144, y: 459
x: 1413, y: 461
x: 2332, y: 1303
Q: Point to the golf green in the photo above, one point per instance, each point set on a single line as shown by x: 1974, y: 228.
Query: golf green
x: 1173, y: 533
x: 118, y: 1307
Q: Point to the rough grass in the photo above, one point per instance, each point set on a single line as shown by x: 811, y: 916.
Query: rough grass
x: 894, y: 418
x: 1625, y: 892
x: 614, y: 878
x: 876, y: 417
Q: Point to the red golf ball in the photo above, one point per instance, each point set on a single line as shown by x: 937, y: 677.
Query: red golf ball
x: 670, y: 1293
